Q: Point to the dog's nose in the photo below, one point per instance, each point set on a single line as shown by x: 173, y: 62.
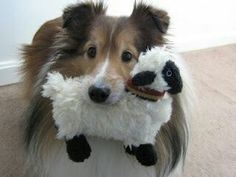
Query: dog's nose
x: 143, y: 78
x: 99, y: 95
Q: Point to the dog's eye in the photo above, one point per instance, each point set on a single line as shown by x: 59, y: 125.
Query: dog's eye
x: 169, y: 73
x: 92, y: 51
x: 126, y: 56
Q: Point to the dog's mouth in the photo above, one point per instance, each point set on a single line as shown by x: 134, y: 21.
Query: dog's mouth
x: 144, y: 92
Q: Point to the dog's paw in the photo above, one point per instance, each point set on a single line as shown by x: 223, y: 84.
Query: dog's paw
x: 146, y: 154
x: 78, y: 148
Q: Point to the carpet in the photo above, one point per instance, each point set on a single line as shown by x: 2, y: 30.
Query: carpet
x: 212, y: 150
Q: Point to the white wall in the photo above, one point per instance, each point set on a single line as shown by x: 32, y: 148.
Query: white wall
x: 19, y: 21
x: 194, y: 24
x: 200, y: 24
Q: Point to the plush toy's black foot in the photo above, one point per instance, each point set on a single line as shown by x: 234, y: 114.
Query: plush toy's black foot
x: 146, y: 154
x: 131, y: 150
x: 78, y: 148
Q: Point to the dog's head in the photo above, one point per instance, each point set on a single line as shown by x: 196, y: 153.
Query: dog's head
x: 106, y: 48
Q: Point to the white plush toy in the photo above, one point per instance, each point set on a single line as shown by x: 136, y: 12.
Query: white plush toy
x: 132, y: 120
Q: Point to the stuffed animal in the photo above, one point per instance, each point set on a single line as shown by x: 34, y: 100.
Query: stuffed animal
x: 135, y: 119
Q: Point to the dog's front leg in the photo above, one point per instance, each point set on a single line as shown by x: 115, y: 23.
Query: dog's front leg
x: 144, y: 153
x: 78, y: 148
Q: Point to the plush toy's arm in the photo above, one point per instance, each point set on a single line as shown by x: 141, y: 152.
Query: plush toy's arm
x: 61, y: 92
x: 78, y: 148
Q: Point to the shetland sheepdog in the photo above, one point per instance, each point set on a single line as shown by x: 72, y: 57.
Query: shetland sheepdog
x: 85, y: 41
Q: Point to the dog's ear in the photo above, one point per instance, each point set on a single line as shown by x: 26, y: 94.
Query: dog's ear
x: 77, y: 18
x: 150, y: 17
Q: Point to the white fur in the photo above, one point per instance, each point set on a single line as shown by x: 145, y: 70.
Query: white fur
x: 74, y: 113
x: 131, y: 120
x: 101, y: 74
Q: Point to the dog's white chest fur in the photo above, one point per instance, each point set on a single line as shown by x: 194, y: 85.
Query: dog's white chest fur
x: 108, y: 159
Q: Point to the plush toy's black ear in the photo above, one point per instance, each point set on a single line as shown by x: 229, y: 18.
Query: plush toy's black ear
x: 150, y: 17
x: 173, y: 78
x: 77, y: 18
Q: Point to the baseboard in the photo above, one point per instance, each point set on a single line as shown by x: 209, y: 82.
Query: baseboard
x: 10, y: 72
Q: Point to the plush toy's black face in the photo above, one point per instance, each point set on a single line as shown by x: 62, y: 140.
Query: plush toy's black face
x: 144, y: 78
x: 170, y: 74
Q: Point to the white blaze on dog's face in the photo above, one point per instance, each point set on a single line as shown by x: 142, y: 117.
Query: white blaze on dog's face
x: 105, y: 48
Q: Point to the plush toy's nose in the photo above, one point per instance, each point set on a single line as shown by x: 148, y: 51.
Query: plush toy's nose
x: 143, y: 78
x: 97, y: 94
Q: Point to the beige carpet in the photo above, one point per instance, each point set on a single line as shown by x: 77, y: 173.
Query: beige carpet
x: 212, y: 151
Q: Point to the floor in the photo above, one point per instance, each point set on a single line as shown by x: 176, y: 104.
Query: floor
x: 212, y: 151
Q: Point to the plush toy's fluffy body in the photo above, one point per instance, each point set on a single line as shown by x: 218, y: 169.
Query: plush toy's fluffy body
x: 132, y: 120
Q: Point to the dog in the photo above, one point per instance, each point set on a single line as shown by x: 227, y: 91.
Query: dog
x: 87, y: 42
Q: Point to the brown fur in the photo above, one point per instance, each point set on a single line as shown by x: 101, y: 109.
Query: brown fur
x: 36, y: 54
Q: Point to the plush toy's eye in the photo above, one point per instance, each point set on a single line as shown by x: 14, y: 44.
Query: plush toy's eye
x: 92, y: 51
x: 169, y: 73
x: 126, y: 56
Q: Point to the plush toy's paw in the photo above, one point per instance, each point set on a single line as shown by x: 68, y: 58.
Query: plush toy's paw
x: 131, y: 150
x: 78, y: 148
x: 146, y: 154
